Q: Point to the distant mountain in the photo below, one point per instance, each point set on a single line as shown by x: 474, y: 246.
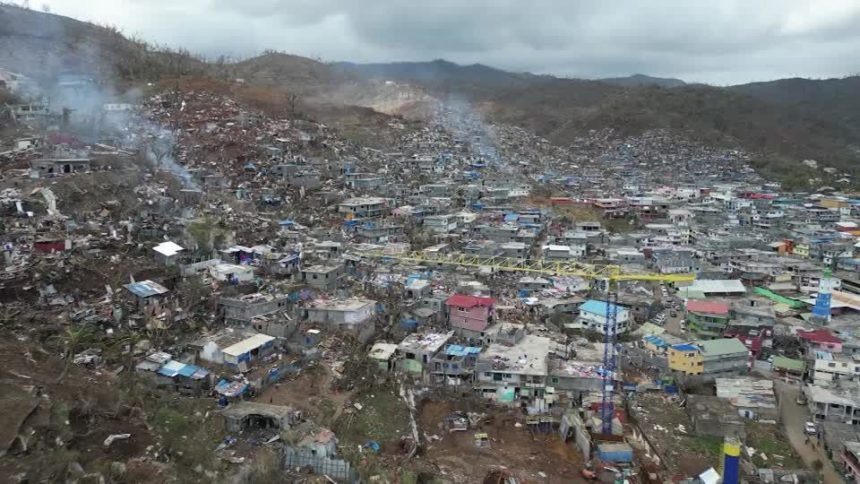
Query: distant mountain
x: 784, y: 121
x: 641, y: 80
x: 834, y: 99
x: 443, y: 77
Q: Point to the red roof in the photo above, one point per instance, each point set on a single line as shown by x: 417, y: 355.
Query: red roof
x: 463, y: 301
x: 818, y: 336
x: 707, y: 307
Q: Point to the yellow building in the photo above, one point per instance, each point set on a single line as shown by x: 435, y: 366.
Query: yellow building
x: 834, y: 203
x: 801, y: 250
x: 687, y: 359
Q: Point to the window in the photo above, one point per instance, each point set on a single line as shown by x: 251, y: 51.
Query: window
x: 831, y: 365
x: 555, y: 379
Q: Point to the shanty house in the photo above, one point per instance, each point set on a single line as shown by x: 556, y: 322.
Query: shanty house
x: 51, y: 243
x: 248, y: 350
x: 146, y: 292
x: 168, y: 252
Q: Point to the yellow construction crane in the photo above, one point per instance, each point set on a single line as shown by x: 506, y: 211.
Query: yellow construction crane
x: 538, y: 266
x: 611, y: 274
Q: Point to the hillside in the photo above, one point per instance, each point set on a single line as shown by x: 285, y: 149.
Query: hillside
x: 41, y: 45
x: 785, y: 121
x: 835, y: 98
x: 641, y: 80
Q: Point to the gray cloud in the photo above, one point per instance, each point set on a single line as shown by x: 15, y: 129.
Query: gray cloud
x: 722, y: 41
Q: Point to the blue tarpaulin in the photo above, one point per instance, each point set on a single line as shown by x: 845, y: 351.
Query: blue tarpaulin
x: 457, y: 350
x: 231, y: 389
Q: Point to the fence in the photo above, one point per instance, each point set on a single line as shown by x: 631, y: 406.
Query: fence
x: 337, y: 469
x: 197, y: 267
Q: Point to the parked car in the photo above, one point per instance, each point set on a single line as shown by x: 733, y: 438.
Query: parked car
x: 810, y: 428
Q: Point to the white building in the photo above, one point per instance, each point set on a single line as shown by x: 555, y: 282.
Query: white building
x: 829, y: 368
x: 592, y: 316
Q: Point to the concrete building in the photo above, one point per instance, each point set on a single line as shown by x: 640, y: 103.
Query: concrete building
x: 470, y: 316
x: 829, y: 368
x: 354, y: 316
x: 440, y: 224
x: 714, y: 357
x: 592, y: 316
x: 850, y: 460
x: 54, y: 166
x: 707, y: 319
x: 259, y: 311
x: 836, y: 404
x: 366, y: 207
x: 417, y: 350
x: 517, y: 373
x: 323, y: 277
x: 168, y: 252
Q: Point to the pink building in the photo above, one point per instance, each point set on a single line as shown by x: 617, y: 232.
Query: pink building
x: 820, y: 339
x: 470, y: 313
x: 851, y: 461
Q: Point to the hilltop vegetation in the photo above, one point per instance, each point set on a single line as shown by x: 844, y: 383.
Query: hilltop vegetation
x: 783, y: 121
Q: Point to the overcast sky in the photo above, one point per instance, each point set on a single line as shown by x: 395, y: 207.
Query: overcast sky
x: 715, y: 41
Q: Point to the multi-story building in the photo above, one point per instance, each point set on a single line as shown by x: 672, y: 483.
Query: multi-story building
x: 834, y: 404
x: 755, y: 338
x: 716, y: 357
x: 592, y: 316
x: 514, y: 373
x: 470, y: 316
x: 363, y: 207
x: 707, y: 319
x: 829, y: 368
x: 819, y: 340
x: 850, y: 459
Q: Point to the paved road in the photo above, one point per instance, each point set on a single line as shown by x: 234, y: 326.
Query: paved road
x: 793, y: 418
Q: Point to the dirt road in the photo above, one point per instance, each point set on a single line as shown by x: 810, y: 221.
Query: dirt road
x: 793, y: 418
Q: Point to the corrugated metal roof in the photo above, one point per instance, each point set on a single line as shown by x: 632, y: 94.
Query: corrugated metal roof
x: 788, y: 363
x: 724, y: 346
x: 146, y: 288
x: 248, y: 344
x: 168, y: 248
x: 707, y: 307
x: 171, y: 368
x: 718, y: 286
